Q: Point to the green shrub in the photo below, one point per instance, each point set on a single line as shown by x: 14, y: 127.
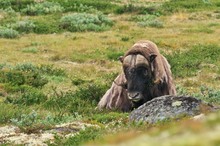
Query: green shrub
x: 29, y: 74
x: 9, y: 16
x: 43, y: 8
x: 29, y: 97
x: 187, y: 63
x: 5, y: 3
x: 9, y: 111
x: 100, y: 5
x: 128, y: 8
x: 208, y: 94
x: 187, y: 5
x: 85, y: 22
x: 30, y: 50
x: 147, y: 20
x: 25, y: 26
x: 82, y: 101
x: 47, y: 24
x: 151, y: 23
x: 8, y: 33
x: 17, y: 5
x: 51, y: 70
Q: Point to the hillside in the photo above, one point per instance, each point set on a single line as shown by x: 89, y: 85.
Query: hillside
x: 59, y: 57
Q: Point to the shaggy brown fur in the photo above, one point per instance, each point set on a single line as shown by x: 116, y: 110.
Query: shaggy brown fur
x: 116, y: 96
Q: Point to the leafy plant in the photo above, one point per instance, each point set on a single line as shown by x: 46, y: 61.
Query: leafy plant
x: 47, y: 24
x: 9, y: 111
x: 186, y: 5
x: 208, y: 94
x: 30, y: 50
x: 85, y: 22
x: 43, y: 8
x: 100, y: 5
x: 8, y: 33
x: 29, y: 97
x: 15, y: 4
x: 25, y: 26
x: 147, y: 20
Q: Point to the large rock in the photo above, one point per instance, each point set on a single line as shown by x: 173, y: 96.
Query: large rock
x: 169, y: 107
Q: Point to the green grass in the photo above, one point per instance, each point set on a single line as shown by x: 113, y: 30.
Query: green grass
x: 188, y: 63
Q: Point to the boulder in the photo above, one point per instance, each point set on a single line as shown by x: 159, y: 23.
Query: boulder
x: 169, y: 107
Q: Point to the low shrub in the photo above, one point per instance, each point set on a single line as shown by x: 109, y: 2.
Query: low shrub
x: 30, y: 50
x: 187, y: 5
x: 85, y: 22
x: 5, y: 3
x: 47, y: 24
x: 8, y: 33
x: 43, y: 8
x: 28, y: 74
x: 151, y: 23
x: 147, y: 20
x: 29, y: 97
x: 15, y: 4
x: 100, y: 5
x: 82, y: 101
x: 25, y: 26
x: 208, y: 94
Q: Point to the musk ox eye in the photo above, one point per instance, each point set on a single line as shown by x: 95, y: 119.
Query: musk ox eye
x: 125, y: 85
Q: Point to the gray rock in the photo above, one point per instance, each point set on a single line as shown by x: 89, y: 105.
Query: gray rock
x: 169, y: 107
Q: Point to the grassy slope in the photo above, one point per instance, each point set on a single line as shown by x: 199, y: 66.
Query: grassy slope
x: 86, y: 55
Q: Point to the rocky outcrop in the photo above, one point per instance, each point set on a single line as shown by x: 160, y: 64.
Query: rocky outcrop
x: 169, y: 107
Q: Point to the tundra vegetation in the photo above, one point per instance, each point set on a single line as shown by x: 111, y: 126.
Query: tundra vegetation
x: 58, y: 57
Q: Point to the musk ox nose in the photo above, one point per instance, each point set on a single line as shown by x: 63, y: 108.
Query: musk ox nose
x: 135, y: 96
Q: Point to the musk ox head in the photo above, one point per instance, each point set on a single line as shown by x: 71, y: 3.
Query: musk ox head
x: 140, y: 78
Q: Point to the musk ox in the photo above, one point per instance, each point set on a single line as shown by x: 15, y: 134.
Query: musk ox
x: 146, y: 74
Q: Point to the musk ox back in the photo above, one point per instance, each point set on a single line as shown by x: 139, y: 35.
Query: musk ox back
x: 146, y: 74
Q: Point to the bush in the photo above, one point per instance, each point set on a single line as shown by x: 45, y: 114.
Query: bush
x: 82, y: 101
x: 30, y: 50
x: 209, y: 95
x: 5, y: 3
x: 28, y: 74
x: 85, y: 22
x: 25, y: 26
x: 151, y: 23
x: 8, y: 33
x: 187, y: 5
x: 17, y: 5
x: 43, y: 8
x: 147, y: 20
x: 47, y: 24
x: 29, y: 97
x: 9, y: 111
x: 100, y: 5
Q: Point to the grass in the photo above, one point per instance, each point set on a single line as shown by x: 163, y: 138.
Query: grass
x: 61, y: 75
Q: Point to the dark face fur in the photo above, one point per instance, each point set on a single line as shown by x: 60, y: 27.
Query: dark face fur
x: 138, y: 74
